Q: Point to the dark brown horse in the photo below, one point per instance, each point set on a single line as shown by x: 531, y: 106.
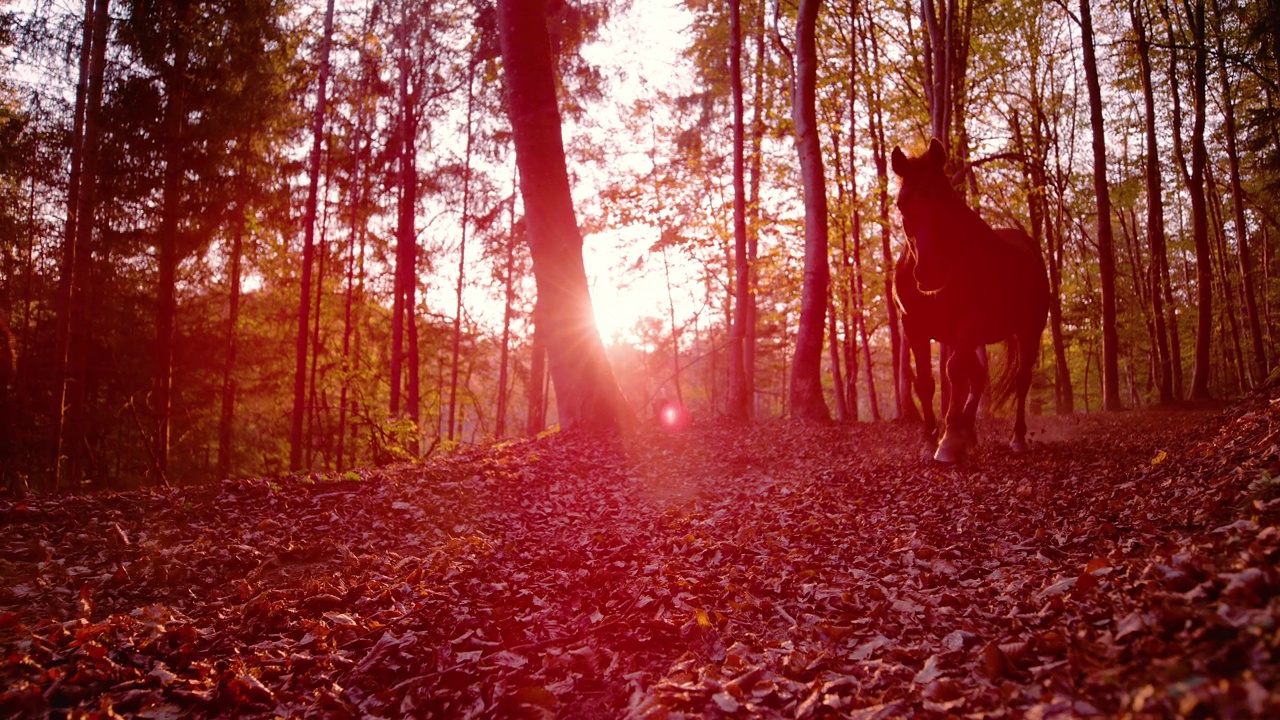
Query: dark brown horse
x: 965, y: 285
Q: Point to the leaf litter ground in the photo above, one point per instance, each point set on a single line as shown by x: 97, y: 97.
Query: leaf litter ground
x: 1126, y: 567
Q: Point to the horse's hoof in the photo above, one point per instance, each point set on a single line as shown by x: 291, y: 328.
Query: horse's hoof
x: 1019, y: 446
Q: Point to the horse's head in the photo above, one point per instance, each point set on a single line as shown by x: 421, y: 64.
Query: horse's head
x: 924, y: 201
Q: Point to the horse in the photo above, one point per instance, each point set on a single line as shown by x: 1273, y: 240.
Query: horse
x: 966, y: 285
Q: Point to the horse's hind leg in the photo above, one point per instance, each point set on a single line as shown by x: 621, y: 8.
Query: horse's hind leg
x: 978, y: 385
x: 1027, y: 349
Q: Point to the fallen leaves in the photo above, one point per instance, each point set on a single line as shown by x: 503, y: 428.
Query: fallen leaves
x: 1125, y: 567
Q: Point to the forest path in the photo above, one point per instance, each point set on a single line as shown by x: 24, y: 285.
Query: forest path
x: 1125, y: 565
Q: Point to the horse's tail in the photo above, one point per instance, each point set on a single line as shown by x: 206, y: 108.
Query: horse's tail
x: 1002, y: 386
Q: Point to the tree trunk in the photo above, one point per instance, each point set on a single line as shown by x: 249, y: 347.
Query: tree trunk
x: 737, y: 403
x: 168, y: 252
x: 313, y: 401
x: 462, y: 253
x: 902, y: 393
x: 1199, y: 211
x: 1106, y: 245
x: 759, y: 101
x: 508, y: 310
x: 536, y: 418
x: 226, y: 421
x: 1258, y: 365
x: 587, y: 395
x: 1226, y: 289
x: 357, y: 225
x: 1155, y: 214
x: 807, y: 399
x: 675, y: 331
x: 308, y: 248
x: 77, y: 259
x: 833, y: 352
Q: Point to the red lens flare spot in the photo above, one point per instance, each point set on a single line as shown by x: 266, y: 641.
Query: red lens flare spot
x: 673, y: 416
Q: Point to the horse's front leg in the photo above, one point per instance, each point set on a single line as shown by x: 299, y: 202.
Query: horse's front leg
x: 924, y: 391
x: 960, y: 369
x: 1028, y: 347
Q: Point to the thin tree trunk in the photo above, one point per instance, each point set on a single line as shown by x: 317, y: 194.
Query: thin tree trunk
x: 537, y: 416
x: 170, y: 215
x: 462, y: 253
x: 1106, y: 244
x: 759, y: 100
x: 308, y: 247
x: 675, y: 331
x: 1199, y: 214
x: 226, y: 423
x: 1155, y: 213
x: 807, y: 400
x: 67, y: 265
x: 1258, y: 367
x: 73, y: 358
x: 1226, y: 288
x: 357, y: 226
x: 903, y: 403
x: 738, y: 400
x: 313, y: 402
x: 508, y: 310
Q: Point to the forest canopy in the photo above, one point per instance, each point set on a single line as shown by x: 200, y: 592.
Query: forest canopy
x: 267, y: 236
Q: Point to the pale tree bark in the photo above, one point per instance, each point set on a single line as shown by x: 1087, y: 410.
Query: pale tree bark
x: 587, y: 395
x: 738, y: 400
x: 1105, y: 241
x: 301, y: 349
x: 806, y: 398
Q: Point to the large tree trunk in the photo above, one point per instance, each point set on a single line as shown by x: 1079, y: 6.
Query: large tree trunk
x: 587, y: 395
x: 1155, y: 214
x: 74, y: 345
x: 1106, y: 245
x: 807, y: 399
x: 308, y: 248
x: 738, y: 400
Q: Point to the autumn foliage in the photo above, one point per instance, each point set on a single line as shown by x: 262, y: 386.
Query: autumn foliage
x: 1124, y: 567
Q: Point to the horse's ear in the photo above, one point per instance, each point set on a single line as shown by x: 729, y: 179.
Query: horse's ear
x: 898, y: 162
x: 937, y: 153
